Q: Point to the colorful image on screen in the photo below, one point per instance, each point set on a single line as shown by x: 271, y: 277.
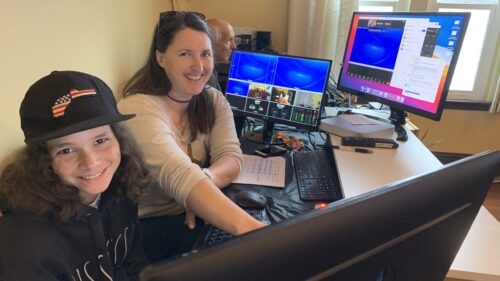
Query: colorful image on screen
x: 401, y: 58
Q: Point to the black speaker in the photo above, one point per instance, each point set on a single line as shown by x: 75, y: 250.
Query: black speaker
x: 263, y: 40
x: 245, y: 42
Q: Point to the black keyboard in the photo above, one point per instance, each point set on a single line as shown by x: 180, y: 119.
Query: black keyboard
x: 317, y: 177
x: 212, y: 236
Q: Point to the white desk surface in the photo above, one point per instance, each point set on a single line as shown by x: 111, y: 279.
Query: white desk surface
x: 360, y: 172
x: 479, y: 256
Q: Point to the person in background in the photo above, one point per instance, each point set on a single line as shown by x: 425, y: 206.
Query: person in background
x: 187, y: 134
x: 223, y: 40
x: 68, y: 197
x: 223, y: 44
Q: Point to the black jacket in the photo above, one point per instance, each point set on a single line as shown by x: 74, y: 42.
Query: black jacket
x: 103, y: 244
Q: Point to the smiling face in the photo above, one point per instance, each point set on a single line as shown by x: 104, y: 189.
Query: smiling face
x: 86, y: 160
x: 187, y: 62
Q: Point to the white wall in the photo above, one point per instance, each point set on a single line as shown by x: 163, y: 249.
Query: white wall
x: 108, y: 39
x: 263, y: 15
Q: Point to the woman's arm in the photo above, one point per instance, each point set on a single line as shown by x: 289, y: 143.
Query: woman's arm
x: 183, y: 180
x: 224, y: 148
x: 209, y: 203
x: 225, y: 170
x: 174, y: 171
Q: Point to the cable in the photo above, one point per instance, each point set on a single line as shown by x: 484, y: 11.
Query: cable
x: 323, y: 135
x: 425, y: 134
x: 312, y: 142
x: 434, y: 143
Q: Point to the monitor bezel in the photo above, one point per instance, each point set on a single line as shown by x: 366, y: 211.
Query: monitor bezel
x: 400, y: 106
x: 344, y: 237
x: 267, y: 118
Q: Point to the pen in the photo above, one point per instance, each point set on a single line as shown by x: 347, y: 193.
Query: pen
x: 353, y: 149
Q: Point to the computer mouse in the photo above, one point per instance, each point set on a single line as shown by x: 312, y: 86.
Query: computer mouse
x: 250, y: 199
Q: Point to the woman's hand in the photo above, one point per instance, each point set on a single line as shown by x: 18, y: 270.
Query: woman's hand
x: 190, y: 220
x: 209, y: 203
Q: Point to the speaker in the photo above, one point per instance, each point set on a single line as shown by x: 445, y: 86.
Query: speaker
x: 245, y: 41
x: 263, y: 40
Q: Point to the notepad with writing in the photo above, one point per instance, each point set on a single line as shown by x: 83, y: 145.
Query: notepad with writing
x: 262, y: 171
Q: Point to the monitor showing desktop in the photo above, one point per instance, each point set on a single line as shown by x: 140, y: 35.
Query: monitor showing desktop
x: 409, y: 230
x: 403, y: 60
x: 277, y: 88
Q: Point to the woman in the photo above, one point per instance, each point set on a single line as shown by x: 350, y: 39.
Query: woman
x: 187, y: 134
x: 68, y: 197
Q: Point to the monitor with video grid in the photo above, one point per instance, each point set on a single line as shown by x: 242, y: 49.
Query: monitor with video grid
x: 278, y: 88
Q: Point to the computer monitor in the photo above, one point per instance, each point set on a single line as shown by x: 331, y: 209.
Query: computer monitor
x: 403, y: 60
x: 409, y: 230
x: 277, y: 89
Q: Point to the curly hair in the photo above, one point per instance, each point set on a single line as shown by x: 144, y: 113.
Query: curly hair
x: 152, y: 80
x: 29, y: 184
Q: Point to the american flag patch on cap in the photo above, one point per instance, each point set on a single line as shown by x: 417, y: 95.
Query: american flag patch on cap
x: 62, y: 103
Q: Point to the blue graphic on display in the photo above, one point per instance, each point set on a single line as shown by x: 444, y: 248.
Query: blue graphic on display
x: 377, y: 46
x: 237, y: 88
x: 267, y: 85
x: 447, y: 26
x: 307, y: 75
x: 289, y: 72
x: 254, y: 67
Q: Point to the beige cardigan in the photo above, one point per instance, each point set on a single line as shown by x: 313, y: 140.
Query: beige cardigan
x: 165, y: 150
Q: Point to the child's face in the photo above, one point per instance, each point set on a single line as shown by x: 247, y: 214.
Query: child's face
x: 86, y: 160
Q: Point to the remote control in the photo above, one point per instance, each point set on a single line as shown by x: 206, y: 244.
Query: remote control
x: 369, y: 142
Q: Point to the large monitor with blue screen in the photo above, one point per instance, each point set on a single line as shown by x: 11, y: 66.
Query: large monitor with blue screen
x: 278, y: 88
x: 409, y: 230
x: 404, y: 60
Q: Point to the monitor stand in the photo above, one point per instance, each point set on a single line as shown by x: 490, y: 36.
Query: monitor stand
x: 398, y: 118
x: 263, y: 135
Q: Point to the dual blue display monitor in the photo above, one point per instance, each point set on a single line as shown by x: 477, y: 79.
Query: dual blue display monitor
x: 278, y: 88
x: 403, y: 60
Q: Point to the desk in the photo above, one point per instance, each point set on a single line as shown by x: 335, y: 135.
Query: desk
x: 479, y: 256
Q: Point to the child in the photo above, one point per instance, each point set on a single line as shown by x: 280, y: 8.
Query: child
x: 69, y: 196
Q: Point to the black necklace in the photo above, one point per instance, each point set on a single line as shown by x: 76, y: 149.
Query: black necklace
x: 179, y: 101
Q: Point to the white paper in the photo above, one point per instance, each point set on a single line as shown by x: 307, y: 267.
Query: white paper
x: 331, y: 111
x: 262, y: 171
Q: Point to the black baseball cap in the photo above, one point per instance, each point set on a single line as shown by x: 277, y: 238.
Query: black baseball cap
x: 67, y: 102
